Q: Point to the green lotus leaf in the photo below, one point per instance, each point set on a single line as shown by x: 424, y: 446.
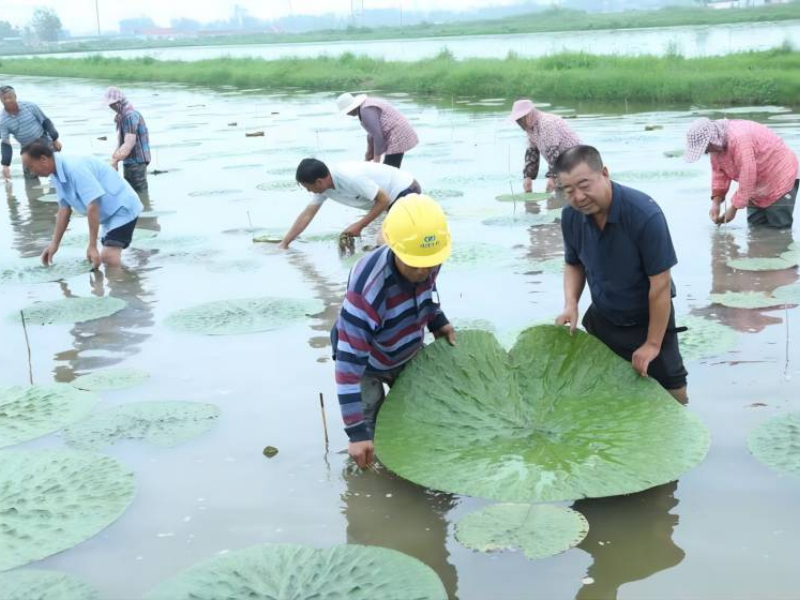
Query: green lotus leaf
x: 74, y: 239
x: 443, y: 194
x: 539, y: 531
x: 524, y: 218
x: 761, y: 264
x: 745, y: 300
x: 72, y: 310
x: 560, y: 417
x: 475, y: 178
x: 111, y: 379
x: 523, y: 197
x: 44, y: 585
x: 776, y: 443
x: 27, y: 413
x: 288, y: 185
x: 31, y: 270
x: 674, y: 153
x: 705, y: 338
x: 470, y: 254
x: 546, y: 265
x: 282, y: 171
x: 655, y: 175
x: 52, y: 500
x: 323, y: 237
x: 247, y: 315
x: 289, y: 571
x: 163, y: 424
x: 213, y: 193
x: 788, y: 294
x: 268, y: 239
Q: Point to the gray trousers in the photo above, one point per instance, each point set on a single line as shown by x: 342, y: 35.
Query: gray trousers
x: 778, y: 214
x: 373, y: 393
x: 136, y: 175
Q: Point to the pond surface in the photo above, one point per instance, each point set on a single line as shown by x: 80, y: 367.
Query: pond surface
x: 690, y: 41
x: 728, y: 529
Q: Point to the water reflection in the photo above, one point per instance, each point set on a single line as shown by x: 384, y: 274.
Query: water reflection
x: 32, y: 228
x: 385, y: 510
x: 761, y: 243
x: 101, y: 343
x: 630, y: 539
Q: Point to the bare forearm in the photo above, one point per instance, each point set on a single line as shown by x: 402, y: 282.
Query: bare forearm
x: 660, y: 304
x: 299, y: 225
x: 125, y: 149
x: 574, y: 282
x: 62, y: 222
x: 93, y: 217
x: 380, y: 205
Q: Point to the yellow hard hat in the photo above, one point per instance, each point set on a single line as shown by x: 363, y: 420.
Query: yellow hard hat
x: 416, y: 230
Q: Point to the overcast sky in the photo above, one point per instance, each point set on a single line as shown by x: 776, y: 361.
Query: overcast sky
x: 79, y: 15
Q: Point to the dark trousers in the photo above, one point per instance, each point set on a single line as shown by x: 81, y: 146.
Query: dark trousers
x: 136, y: 175
x: 393, y: 160
x: 778, y: 215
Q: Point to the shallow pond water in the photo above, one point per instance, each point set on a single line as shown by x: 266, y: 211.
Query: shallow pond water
x: 728, y: 529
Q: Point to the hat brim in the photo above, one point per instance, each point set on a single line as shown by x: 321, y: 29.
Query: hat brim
x: 694, y: 154
x: 424, y: 262
x: 357, y: 101
x: 516, y: 115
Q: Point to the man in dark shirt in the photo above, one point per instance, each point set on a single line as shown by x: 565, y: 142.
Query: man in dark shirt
x: 617, y: 239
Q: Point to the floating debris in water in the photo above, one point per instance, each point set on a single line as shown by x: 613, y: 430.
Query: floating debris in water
x: 270, y: 451
x: 254, y: 134
x: 653, y: 127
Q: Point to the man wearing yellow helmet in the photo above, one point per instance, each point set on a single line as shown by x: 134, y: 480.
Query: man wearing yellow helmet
x: 391, y: 298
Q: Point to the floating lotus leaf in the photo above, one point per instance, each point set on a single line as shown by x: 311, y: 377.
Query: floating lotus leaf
x: 323, y: 237
x: 282, y: 171
x: 248, y: 315
x: 31, y: 270
x: 74, y: 239
x: 539, y: 531
x: 268, y: 239
x: 788, y: 294
x: 762, y: 264
x: 159, y: 423
x: 52, y: 500
x: 523, y: 197
x: 776, y: 443
x: 289, y: 571
x: 470, y: 254
x: 279, y: 186
x: 524, y: 218
x: 27, y: 413
x: 745, y: 300
x: 443, y: 194
x: 704, y: 338
x: 560, y: 417
x: 674, y: 153
x: 212, y: 193
x: 44, y: 585
x: 111, y: 379
x: 547, y: 265
x: 170, y: 243
x: 243, y: 166
x: 72, y: 310
x: 251, y: 231
x: 474, y: 178
x: 655, y: 175
x: 243, y: 265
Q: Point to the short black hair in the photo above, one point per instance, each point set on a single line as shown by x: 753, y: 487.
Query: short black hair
x: 37, y: 150
x: 4, y: 89
x: 311, y: 169
x: 577, y: 155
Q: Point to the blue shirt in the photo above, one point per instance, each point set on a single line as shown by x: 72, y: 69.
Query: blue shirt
x: 81, y: 180
x: 133, y: 122
x: 619, y: 260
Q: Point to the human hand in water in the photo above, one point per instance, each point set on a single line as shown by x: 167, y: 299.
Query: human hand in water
x: 362, y: 452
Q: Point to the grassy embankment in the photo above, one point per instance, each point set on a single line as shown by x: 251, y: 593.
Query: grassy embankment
x: 548, y: 20
x: 752, y: 78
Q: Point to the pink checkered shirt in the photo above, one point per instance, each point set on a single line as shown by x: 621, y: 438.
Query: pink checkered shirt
x: 764, y: 166
x: 548, y: 135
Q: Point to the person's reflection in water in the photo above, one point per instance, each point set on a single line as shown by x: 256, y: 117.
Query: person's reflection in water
x: 630, y: 539
x: 385, y: 510
x: 101, y: 343
x: 762, y: 243
x: 145, y: 221
x: 34, y: 230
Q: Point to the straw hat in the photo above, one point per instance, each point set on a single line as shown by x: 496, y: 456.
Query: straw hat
x: 520, y: 109
x: 347, y: 102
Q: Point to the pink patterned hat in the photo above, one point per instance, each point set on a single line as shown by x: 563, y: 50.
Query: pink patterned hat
x: 113, y: 95
x: 520, y: 109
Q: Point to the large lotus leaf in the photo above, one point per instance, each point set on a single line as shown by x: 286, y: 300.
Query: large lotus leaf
x: 52, y: 500
x: 538, y: 530
x: 43, y: 585
x: 474, y: 178
x: 704, y: 338
x: 31, y: 270
x: 288, y: 185
x: 776, y: 443
x: 163, y: 424
x: 560, y: 417
x: 525, y: 218
x: 444, y: 194
x: 546, y: 265
x: 27, y: 413
x: 745, y: 300
x: 470, y: 254
x: 789, y: 294
x: 72, y: 310
x: 762, y: 264
x: 111, y: 379
x: 247, y: 315
x: 656, y: 175
x: 523, y: 197
x: 293, y: 572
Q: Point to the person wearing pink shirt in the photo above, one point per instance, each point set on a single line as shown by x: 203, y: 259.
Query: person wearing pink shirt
x: 754, y: 156
x: 548, y: 136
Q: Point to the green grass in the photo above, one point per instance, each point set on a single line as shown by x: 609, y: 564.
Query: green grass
x: 752, y: 78
x: 547, y: 20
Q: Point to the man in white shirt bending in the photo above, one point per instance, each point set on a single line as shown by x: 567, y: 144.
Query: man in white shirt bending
x: 367, y: 185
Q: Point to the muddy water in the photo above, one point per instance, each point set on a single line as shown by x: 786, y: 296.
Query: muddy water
x: 728, y: 529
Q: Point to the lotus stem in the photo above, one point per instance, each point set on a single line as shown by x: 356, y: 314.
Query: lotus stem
x: 27, y: 345
x: 324, y: 419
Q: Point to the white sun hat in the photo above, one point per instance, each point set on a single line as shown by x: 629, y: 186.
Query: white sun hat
x: 347, y: 102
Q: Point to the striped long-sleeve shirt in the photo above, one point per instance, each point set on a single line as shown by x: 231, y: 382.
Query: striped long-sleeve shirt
x: 381, y: 326
x: 27, y: 125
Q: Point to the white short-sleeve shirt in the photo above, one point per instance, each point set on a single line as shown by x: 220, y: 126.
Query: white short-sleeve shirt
x: 356, y: 184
